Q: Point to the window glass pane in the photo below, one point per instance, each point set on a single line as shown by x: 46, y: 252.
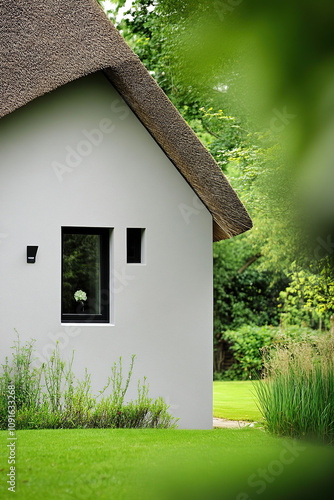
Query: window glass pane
x: 81, y: 272
x: 134, y: 245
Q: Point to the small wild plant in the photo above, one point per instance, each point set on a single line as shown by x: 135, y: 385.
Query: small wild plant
x: 52, y: 397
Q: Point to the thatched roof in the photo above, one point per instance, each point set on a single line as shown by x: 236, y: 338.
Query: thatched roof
x: 48, y: 43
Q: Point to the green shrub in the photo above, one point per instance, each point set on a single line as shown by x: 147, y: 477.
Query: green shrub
x: 243, y: 294
x: 247, y: 343
x: 296, y: 396
x: 51, y: 397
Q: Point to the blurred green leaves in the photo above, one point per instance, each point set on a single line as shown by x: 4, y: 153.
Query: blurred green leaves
x: 277, y: 60
x: 255, y: 81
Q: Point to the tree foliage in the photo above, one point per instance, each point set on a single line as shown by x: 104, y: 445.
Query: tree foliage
x: 257, y: 101
x: 309, y: 298
x: 243, y: 294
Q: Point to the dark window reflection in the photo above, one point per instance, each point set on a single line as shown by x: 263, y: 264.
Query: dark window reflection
x: 81, y: 272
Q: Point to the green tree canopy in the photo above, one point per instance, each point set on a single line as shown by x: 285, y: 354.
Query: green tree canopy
x: 255, y: 81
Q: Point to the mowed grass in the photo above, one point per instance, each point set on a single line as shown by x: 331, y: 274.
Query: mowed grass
x: 125, y: 464
x: 235, y: 401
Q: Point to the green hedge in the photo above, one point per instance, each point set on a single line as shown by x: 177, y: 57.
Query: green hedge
x: 247, y: 343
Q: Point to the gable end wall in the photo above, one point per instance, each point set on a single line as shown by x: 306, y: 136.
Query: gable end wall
x: 80, y: 157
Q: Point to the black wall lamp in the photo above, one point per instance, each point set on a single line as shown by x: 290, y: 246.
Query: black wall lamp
x: 31, y: 255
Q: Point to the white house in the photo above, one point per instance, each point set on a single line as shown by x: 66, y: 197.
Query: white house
x: 101, y: 173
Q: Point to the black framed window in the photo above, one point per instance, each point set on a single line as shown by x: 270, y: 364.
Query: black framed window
x: 134, y: 245
x: 85, y: 275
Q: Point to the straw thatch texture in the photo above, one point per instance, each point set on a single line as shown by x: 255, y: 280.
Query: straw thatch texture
x: 46, y: 44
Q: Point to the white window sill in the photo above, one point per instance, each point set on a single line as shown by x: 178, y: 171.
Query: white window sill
x: 87, y: 324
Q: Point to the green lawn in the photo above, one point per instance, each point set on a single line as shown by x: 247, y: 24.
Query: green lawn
x: 222, y: 464
x: 165, y: 465
x: 235, y: 400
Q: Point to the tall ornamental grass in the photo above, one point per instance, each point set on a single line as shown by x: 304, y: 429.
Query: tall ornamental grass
x: 296, y: 394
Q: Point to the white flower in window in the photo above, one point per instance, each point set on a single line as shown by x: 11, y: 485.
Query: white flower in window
x: 80, y: 296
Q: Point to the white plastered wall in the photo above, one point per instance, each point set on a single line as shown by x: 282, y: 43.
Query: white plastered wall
x: 161, y: 311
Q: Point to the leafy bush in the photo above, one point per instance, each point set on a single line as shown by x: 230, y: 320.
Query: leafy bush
x: 247, y: 297
x: 51, y: 397
x: 296, y: 396
x: 244, y: 294
x: 309, y: 298
x: 247, y: 344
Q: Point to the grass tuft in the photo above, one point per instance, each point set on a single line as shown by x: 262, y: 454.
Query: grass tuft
x: 296, y: 395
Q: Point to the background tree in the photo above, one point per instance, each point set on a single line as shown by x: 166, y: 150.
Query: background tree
x: 254, y: 80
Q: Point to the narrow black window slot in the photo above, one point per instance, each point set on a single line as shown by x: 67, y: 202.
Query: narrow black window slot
x: 134, y: 245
